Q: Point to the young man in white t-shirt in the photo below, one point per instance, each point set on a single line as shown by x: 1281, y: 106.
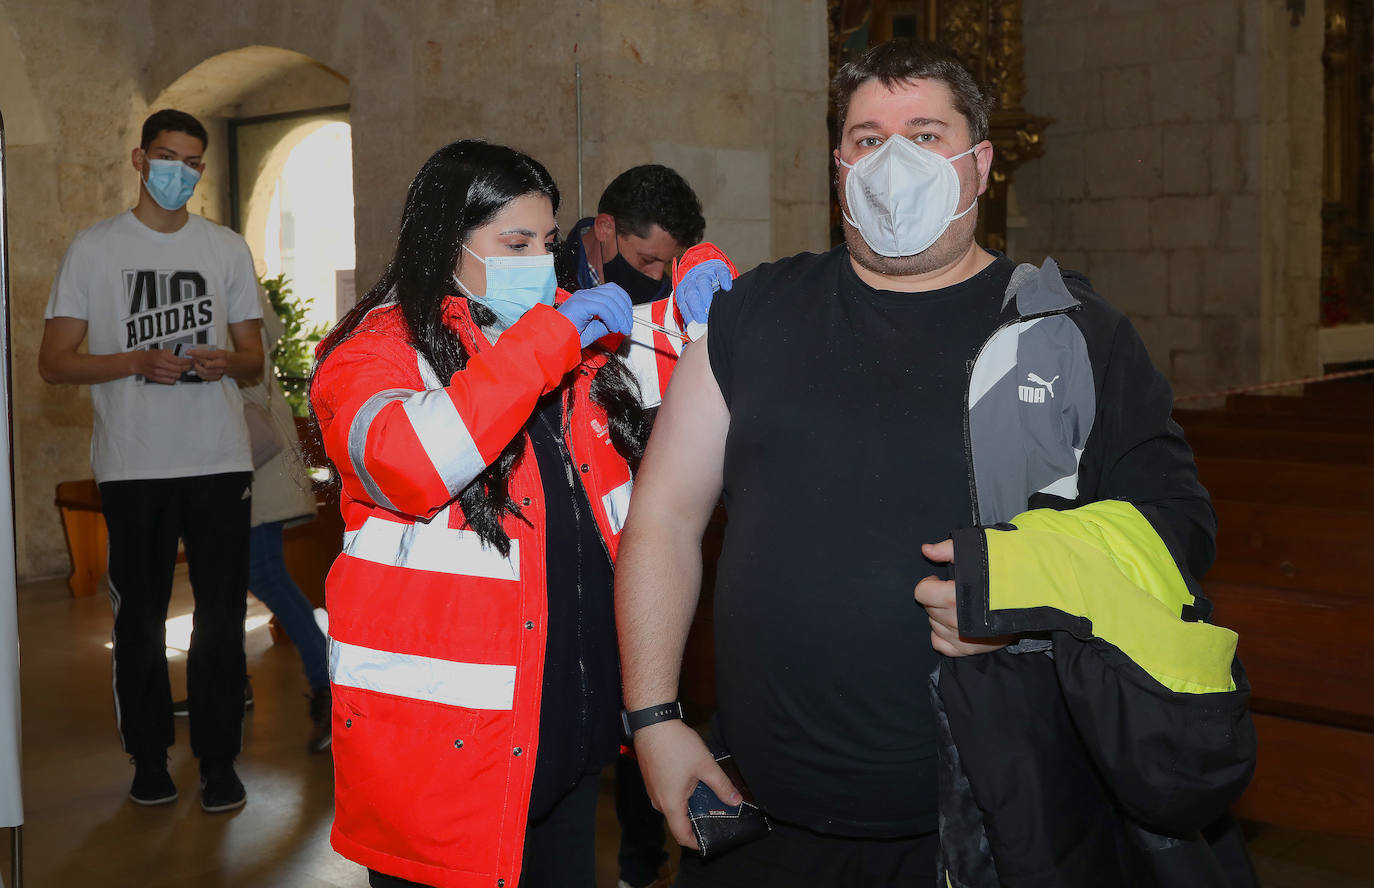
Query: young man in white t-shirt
x: 167, y: 304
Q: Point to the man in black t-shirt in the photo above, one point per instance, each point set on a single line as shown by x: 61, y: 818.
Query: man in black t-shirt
x: 864, y: 411
x: 843, y: 411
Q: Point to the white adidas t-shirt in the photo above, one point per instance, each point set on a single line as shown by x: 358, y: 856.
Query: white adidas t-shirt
x: 137, y: 288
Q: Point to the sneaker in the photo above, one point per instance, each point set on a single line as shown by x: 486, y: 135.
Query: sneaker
x: 220, y: 788
x: 152, y: 784
x: 182, y: 709
x: 321, y: 717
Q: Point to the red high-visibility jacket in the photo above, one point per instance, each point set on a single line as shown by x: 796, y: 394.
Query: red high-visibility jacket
x: 436, y: 639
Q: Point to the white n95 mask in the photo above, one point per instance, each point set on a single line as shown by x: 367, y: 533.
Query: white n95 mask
x: 902, y: 197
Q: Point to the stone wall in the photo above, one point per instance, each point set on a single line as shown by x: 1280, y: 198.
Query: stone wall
x: 1167, y: 176
x: 1290, y: 227
x: 730, y: 93
x: 1181, y: 173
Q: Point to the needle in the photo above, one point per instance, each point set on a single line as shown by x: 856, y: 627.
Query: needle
x: 651, y: 325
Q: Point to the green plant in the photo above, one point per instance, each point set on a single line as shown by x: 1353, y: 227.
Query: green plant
x: 295, y: 352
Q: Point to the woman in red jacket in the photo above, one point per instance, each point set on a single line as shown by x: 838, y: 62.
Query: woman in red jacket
x: 484, y: 444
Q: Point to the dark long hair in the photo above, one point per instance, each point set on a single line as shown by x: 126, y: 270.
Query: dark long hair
x: 459, y: 189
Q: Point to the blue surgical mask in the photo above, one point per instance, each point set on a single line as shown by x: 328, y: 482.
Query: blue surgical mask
x: 515, y: 284
x: 170, y: 183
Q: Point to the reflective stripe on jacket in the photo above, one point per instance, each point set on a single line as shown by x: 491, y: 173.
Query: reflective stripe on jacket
x: 437, y: 639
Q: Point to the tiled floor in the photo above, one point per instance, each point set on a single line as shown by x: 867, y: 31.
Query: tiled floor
x: 81, y: 830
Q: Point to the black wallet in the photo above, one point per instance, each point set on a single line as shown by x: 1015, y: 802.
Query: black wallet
x: 718, y: 826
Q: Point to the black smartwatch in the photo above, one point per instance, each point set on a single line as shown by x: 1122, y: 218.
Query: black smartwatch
x: 642, y: 718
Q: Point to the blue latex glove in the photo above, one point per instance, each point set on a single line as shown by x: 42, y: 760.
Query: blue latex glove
x: 698, y: 287
x: 598, y: 312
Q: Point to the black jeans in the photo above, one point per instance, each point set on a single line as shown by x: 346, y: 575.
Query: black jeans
x: 210, y: 514
x: 560, y: 847
x: 792, y: 855
x: 641, y: 826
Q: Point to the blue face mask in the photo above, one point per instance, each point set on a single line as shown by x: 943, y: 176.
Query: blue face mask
x: 515, y: 284
x: 170, y: 183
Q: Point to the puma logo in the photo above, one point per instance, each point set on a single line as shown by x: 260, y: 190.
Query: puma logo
x: 1032, y: 395
x: 1031, y: 377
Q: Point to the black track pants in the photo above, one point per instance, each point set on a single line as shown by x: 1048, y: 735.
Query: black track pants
x: 210, y: 514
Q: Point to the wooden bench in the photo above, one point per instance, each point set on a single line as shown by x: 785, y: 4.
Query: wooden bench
x: 1322, y: 418
x: 1284, y: 483
x: 83, y: 525
x: 1292, y: 481
x: 1313, y: 407
x: 1357, y: 391
x: 1283, y: 443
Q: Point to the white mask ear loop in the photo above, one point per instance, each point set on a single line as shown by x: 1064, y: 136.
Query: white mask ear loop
x: 844, y: 212
x: 975, y: 197
x: 465, y: 290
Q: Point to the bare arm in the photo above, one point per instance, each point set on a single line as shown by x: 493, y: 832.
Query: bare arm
x: 243, y: 364
x: 658, y: 569
x: 658, y: 580
x: 59, y: 360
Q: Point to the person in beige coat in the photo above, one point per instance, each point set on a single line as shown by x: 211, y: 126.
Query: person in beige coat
x: 282, y: 497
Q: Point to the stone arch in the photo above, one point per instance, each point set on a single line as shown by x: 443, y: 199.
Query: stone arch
x: 259, y: 190
x: 248, y: 81
x: 223, y: 80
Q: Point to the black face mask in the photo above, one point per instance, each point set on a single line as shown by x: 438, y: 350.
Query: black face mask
x: 639, y: 285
